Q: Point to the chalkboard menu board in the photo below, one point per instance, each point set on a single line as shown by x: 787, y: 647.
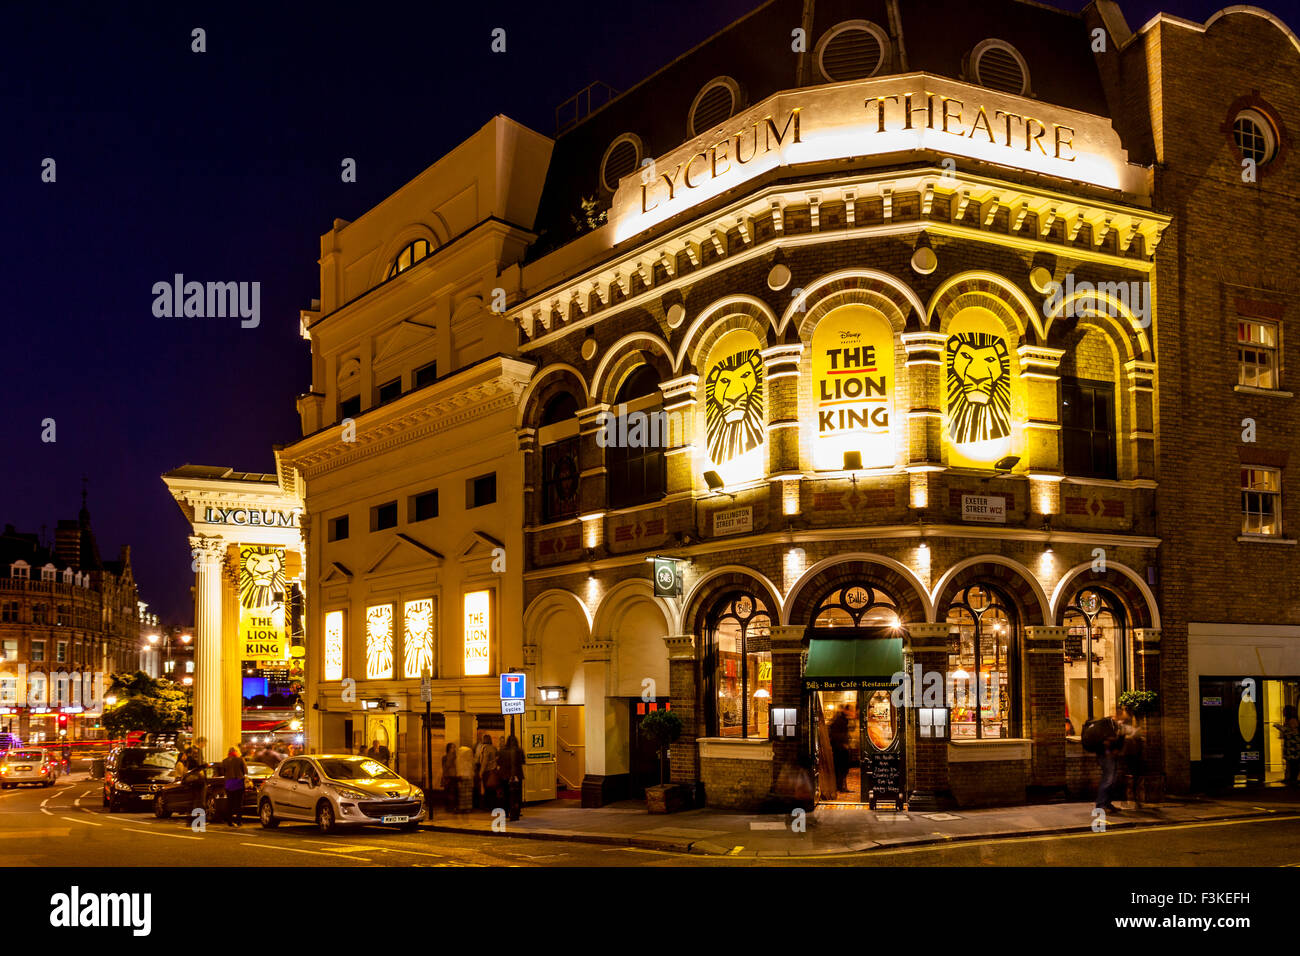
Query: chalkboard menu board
x: 1073, y: 646
x: 885, y: 772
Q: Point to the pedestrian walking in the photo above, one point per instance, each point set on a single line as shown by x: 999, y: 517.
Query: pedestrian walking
x: 450, y: 779
x: 489, y: 762
x: 1289, y: 730
x: 1131, y: 762
x: 511, y: 769
x: 464, y: 778
x: 1101, y: 736
x: 234, y: 769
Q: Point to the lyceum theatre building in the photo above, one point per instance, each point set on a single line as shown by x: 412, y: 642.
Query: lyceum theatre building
x: 845, y: 335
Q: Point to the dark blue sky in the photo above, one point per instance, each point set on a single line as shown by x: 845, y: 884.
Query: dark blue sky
x: 224, y: 166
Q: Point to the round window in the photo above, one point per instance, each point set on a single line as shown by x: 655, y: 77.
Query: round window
x: 851, y: 51
x: 620, y: 159
x: 1255, y: 136
x: 715, y: 103
x: 999, y: 66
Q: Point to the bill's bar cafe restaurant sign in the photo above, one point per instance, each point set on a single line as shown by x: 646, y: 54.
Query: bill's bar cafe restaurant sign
x: 895, y: 114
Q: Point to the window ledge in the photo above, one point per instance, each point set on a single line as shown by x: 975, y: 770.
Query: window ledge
x: 989, y: 749
x: 1254, y: 390
x: 734, y: 748
x: 1264, y: 539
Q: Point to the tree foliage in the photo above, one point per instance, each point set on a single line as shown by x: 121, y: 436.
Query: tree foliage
x: 146, y: 703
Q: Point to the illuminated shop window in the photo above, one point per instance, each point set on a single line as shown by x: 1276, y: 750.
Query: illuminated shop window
x: 1257, y: 353
x: 1255, y: 136
x: 739, y: 667
x: 1096, y: 663
x: 981, y: 636
x: 999, y: 66
x: 409, y: 256
x: 418, y: 630
x: 1088, y: 439
x: 852, y: 50
x: 333, y: 646
x: 1261, y: 501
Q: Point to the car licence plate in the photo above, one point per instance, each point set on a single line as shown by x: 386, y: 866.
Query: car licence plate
x: 146, y: 796
x: 397, y: 819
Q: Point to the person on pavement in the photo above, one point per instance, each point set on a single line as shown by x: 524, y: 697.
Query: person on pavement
x: 234, y: 769
x: 512, y: 776
x: 489, y: 772
x: 450, y: 778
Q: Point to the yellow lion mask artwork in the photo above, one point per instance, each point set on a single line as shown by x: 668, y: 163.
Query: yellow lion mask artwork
x: 261, y: 576
x: 979, y: 387
x: 733, y: 406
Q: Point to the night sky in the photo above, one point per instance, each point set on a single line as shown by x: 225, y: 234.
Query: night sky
x: 224, y: 166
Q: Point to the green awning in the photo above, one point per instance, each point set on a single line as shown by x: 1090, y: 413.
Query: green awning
x: 853, y: 663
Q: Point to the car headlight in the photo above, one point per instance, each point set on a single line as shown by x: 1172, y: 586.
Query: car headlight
x: 349, y: 794
x: 417, y: 794
x: 119, y: 785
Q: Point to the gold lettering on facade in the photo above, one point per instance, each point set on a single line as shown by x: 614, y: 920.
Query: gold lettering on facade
x: 771, y: 130
x: 948, y: 116
x: 909, y: 111
x: 982, y: 117
x: 686, y: 177
x: 1069, y: 143
x: 713, y: 156
x: 880, y: 110
x: 1032, y: 137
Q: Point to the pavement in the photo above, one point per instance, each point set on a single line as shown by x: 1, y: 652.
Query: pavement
x: 831, y: 829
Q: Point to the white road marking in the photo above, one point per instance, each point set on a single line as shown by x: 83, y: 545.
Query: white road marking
x: 87, y: 822
x: 47, y: 831
x: 175, y: 836
x: 290, y: 849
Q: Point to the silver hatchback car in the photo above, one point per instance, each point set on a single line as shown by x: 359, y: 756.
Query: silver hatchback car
x: 339, y: 790
x: 29, y: 765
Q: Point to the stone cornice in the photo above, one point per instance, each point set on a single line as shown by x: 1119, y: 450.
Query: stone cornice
x: 411, y: 418
x: 550, y: 308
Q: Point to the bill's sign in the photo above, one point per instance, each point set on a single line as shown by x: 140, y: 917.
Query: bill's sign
x: 889, y: 115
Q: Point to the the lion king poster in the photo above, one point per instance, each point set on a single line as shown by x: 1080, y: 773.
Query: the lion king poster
x: 261, y: 604
x: 978, y: 381
x: 735, y: 407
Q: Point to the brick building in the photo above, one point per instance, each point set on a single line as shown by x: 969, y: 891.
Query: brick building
x: 839, y: 348
x: 66, y: 615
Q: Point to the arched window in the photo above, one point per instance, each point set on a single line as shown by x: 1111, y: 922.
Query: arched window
x: 634, y: 442
x: 981, y: 636
x: 559, y: 441
x: 738, y: 667
x: 409, y: 256
x: 1097, y: 668
x: 857, y: 605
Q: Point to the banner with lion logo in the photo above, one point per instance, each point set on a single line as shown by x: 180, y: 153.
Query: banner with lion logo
x: 262, y: 587
x: 735, y: 407
x: 978, y: 388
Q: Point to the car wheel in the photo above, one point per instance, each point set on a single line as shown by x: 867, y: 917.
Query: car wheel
x: 325, y: 817
x: 266, y: 814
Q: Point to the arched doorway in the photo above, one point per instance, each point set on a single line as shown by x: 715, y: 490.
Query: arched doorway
x: 855, y: 726
x: 983, y: 673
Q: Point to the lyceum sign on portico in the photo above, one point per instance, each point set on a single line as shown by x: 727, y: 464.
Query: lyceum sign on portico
x: 895, y: 114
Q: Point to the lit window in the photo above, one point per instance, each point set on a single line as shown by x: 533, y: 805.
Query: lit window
x: 1255, y: 136
x: 1261, y: 501
x: 409, y: 256
x: 1257, y: 353
x: 980, y: 633
x: 1097, y: 666
x: 189, y: 667
x: 417, y: 630
x: 379, y: 642
x: 334, y: 645
x: 741, y: 667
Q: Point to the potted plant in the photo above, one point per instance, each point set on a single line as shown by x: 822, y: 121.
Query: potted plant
x: 1140, y: 703
x: 660, y: 729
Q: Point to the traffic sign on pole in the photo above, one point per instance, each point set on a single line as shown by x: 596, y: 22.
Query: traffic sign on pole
x: 514, y: 687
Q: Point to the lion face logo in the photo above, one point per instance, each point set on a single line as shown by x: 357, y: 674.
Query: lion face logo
x: 261, y: 576
x: 733, y: 406
x: 979, y: 387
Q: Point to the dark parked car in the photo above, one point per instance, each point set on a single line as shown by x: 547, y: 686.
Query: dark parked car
x: 134, y: 775
x: 205, y: 787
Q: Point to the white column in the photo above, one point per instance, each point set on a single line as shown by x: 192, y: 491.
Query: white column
x: 208, y: 552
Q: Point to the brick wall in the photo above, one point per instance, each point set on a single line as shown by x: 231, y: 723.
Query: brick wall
x: 736, y: 784
x: 988, y: 783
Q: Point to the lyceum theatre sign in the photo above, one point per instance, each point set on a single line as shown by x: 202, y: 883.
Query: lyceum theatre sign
x: 890, y: 115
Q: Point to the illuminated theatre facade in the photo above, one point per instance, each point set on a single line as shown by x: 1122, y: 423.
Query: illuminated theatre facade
x: 816, y: 357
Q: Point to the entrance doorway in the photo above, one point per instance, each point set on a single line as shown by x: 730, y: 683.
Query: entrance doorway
x: 839, y: 746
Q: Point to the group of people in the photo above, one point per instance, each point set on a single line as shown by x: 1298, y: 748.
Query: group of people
x: 485, y: 777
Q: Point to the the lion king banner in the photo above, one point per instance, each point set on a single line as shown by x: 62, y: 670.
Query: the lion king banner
x: 978, y: 381
x: 852, y: 387
x: 735, y: 407
x: 262, y: 628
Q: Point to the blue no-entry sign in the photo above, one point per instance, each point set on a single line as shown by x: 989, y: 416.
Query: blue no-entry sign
x: 513, y: 686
